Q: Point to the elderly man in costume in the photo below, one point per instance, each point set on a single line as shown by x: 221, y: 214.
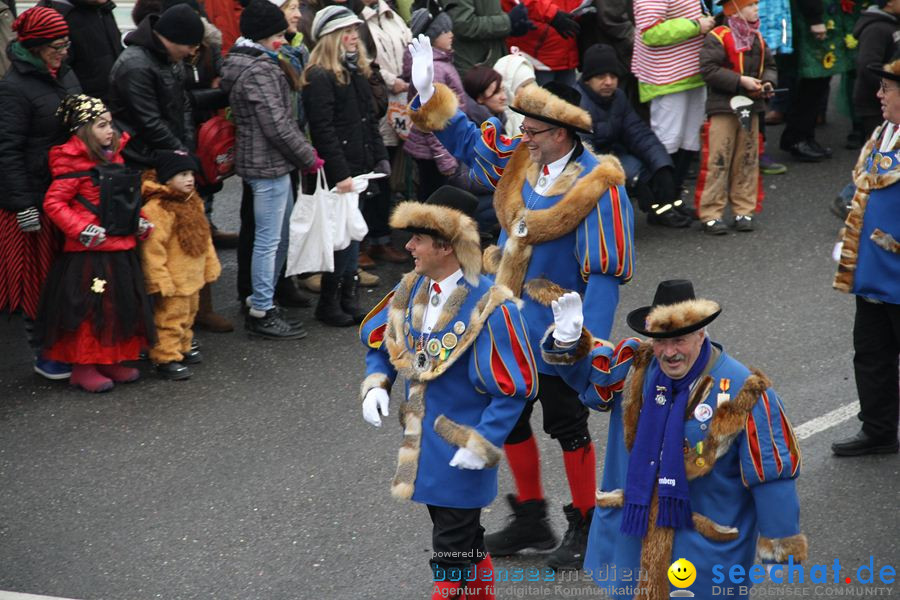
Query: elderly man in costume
x: 462, y: 345
x: 701, y: 460
x: 869, y: 268
x: 567, y: 224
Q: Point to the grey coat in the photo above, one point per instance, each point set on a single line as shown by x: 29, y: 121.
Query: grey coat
x: 269, y: 143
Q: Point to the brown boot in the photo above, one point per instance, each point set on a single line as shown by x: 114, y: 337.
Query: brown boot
x: 365, y: 261
x: 207, y: 318
x: 388, y: 252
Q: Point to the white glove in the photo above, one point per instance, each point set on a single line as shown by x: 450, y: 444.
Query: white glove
x: 144, y: 226
x: 568, y: 318
x: 93, y: 235
x: 466, y: 459
x: 422, y: 67
x: 377, y: 399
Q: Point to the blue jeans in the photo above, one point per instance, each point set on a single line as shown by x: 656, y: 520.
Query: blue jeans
x: 271, y: 211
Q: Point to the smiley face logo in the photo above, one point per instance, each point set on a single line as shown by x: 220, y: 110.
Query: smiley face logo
x: 682, y: 573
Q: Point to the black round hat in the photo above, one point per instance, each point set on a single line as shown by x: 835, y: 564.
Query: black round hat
x: 675, y: 311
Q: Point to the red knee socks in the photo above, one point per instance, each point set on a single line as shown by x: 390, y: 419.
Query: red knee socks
x: 483, y: 586
x: 581, y: 471
x: 525, y: 464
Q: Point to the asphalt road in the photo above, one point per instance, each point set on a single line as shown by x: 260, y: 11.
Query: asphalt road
x: 259, y: 479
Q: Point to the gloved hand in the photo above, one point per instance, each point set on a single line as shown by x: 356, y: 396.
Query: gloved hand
x: 564, y: 24
x: 466, y: 459
x: 568, y: 318
x: 144, y: 228
x: 422, y: 67
x: 519, y: 23
x: 29, y: 220
x: 377, y: 399
x: 662, y: 184
x: 93, y: 235
x: 318, y: 163
x: 383, y: 166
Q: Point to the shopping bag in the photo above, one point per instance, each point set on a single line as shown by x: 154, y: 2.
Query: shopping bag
x: 311, y: 244
x: 398, y: 115
x: 349, y: 224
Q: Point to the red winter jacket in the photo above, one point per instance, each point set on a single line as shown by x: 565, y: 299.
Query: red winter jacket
x: 65, y: 211
x: 544, y: 43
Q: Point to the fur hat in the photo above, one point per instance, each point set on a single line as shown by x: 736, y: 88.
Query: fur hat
x: 262, y: 19
x: 171, y: 163
x: 555, y: 104
x: 39, y: 25
x: 331, y: 18
x: 180, y: 24
x: 675, y: 311
x: 889, y: 71
x: 447, y: 214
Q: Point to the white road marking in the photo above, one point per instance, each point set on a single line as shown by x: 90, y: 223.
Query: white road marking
x: 18, y: 596
x: 826, y: 421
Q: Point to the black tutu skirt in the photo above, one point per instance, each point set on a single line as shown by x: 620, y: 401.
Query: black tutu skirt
x: 103, y: 289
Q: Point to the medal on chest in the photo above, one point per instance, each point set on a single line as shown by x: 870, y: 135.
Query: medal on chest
x: 520, y: 229
x: 421, y: 361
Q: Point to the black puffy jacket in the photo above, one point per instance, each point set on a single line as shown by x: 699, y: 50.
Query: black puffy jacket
x: 342, y: 124
x: 147, y: 99
x: 29, y: 97
x: 878, y: 33
x: 618, y: 129
x: 96, y: 42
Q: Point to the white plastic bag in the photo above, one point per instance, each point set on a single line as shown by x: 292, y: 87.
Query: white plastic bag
x: 349, y: 224
x: 311, y: 243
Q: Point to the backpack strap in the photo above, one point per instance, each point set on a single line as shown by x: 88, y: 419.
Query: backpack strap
x: 75, y: 175
x: 88, y: 205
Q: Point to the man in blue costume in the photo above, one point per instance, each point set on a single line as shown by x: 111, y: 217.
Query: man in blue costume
x: 701, y: 459
x: 567, y: 225
x: 462, y: 345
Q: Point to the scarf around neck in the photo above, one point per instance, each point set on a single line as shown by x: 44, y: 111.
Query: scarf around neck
x: 743, y: 31
x: 658, y: 456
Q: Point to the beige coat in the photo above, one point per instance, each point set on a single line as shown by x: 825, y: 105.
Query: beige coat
x: 391, y: 35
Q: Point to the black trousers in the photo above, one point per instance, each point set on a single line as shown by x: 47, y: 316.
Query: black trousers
x: 876, y: 344
x: 458, y: 540
x: 376, y: 208
x: 430, y: 178
x: 565, y: 417
x: 800, y: 120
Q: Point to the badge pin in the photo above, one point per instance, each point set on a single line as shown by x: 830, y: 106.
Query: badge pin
x: 449, y: 341
x: 700, y: 462
x: 722, y: 397
x: 699, y: 447
x: 542, y: 181
x: 433, y: 347
x: 436, y: 299
x: 521, y: 229
x: 885, y: 162
x: 703, y: 412
x: 421, y: 361
x: 661, y: 399
x: 459, y: 327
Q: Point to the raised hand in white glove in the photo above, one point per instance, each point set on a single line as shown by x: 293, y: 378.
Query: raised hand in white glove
x: 376, y: 399
x: 466, y: 459
x: 568, y: 318
x: 422, y: 67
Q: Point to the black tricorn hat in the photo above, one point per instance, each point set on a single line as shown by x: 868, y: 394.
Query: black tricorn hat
x: 555, y: 103
x: 675, y: 311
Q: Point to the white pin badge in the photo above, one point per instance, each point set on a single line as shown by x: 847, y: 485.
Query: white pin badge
x: 703, y: 412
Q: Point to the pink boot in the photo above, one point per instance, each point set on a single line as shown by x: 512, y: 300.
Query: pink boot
x: 119, y: 373
x: 89, y: 379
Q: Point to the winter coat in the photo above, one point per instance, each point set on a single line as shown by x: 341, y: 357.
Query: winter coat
x: 199, y: 75
x: 832, y: 55
x: 544, y: 43
x: 480, y: 29
x: 775, y: 25
x: 297, y: 55
x: 29, y: 97
x: 390, y: 35
x: 878, y: 33
x: 342, y: 124
x: 177, y: 257
x: 723, y: 82
x: 425, y: 146
x: 269, y: 143
x: 96, y: 42
x: 612, y: 24
x: 6, y: 35
x: 617, y: 129
x: 66, y: 212
x: 147, y: 97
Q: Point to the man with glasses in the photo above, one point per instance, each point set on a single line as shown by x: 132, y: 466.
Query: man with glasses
x: 567, y: 225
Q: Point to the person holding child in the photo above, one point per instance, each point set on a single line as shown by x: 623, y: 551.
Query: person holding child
x: 94, y: 311
x: 178, y: 259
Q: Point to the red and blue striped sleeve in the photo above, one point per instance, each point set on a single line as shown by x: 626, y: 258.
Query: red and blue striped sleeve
x: 371, y: 333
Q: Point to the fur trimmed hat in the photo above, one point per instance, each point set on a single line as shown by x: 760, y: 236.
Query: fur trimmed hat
x: 889, y: 71
x: 555, y: 104
x: 675, y: 311
x: 447, y: 214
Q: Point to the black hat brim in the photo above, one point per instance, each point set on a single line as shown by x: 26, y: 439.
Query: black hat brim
x: 878, y: 69
x: 550, y: 121
x: 638, y: 317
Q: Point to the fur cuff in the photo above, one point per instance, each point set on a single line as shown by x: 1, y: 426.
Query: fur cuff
x: 466, y: 437
x: 490, y: 259
x: 712, y: 530
x: 778, y: 549
x: 885, y: 240
x: 543, y: 291
x: 437, y: 112
x: 566, y: 356
x: 613, y: 499
x: 375, y: 380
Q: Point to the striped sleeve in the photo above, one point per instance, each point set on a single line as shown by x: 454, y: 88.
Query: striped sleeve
x: 379, y: 370
x: 485, y: 150
x: 605, y: 238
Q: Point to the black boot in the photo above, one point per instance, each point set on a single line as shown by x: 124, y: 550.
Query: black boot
x: 287, y: 294
x: 570, y: 554
x: 528, y: 528
x: 350, y: 297
x: 328, y: 310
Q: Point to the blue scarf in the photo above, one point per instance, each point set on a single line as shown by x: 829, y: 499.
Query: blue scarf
x: 658, y: 455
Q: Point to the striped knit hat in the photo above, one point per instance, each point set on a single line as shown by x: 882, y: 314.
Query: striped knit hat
x: 40, y: 25
x: 331, y: 18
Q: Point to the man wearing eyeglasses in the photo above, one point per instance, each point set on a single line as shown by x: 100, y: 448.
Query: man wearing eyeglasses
x: 567, y: 225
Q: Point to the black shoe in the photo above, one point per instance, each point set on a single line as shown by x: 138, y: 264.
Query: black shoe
x: 669, y: 217
x: 804, y: 152
x: 824, y: 150
x: 191, y: 357
x: 287, y: 294
x: 685, y: 210
x: 570, y: 554
x: 743, y: 223
x: 195, y: 343
x: 528, y: 528
x: 863, y: 443
x: 715, y: 227
x: 289, y: 319
x: 350, y: 298
x: 840, y: 207
x: 173, y: 371
x: 273, y: 327
x: 329, y: 310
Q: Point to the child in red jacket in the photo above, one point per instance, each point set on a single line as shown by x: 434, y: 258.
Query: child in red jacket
x: 95, y: 312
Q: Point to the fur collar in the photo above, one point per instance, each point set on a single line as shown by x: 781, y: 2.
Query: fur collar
x: 190, y: 226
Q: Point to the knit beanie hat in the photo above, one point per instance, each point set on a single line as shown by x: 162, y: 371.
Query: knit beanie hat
x: 332, y: 18
x: 600, y: 59
x: 262, y: 19
x: 180, y: 24
x: 38, y: 26
x: 170, y: 163
x: 431, y: 25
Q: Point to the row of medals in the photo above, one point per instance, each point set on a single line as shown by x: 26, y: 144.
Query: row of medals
x: 434, y: 348
x: 884, y: 161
